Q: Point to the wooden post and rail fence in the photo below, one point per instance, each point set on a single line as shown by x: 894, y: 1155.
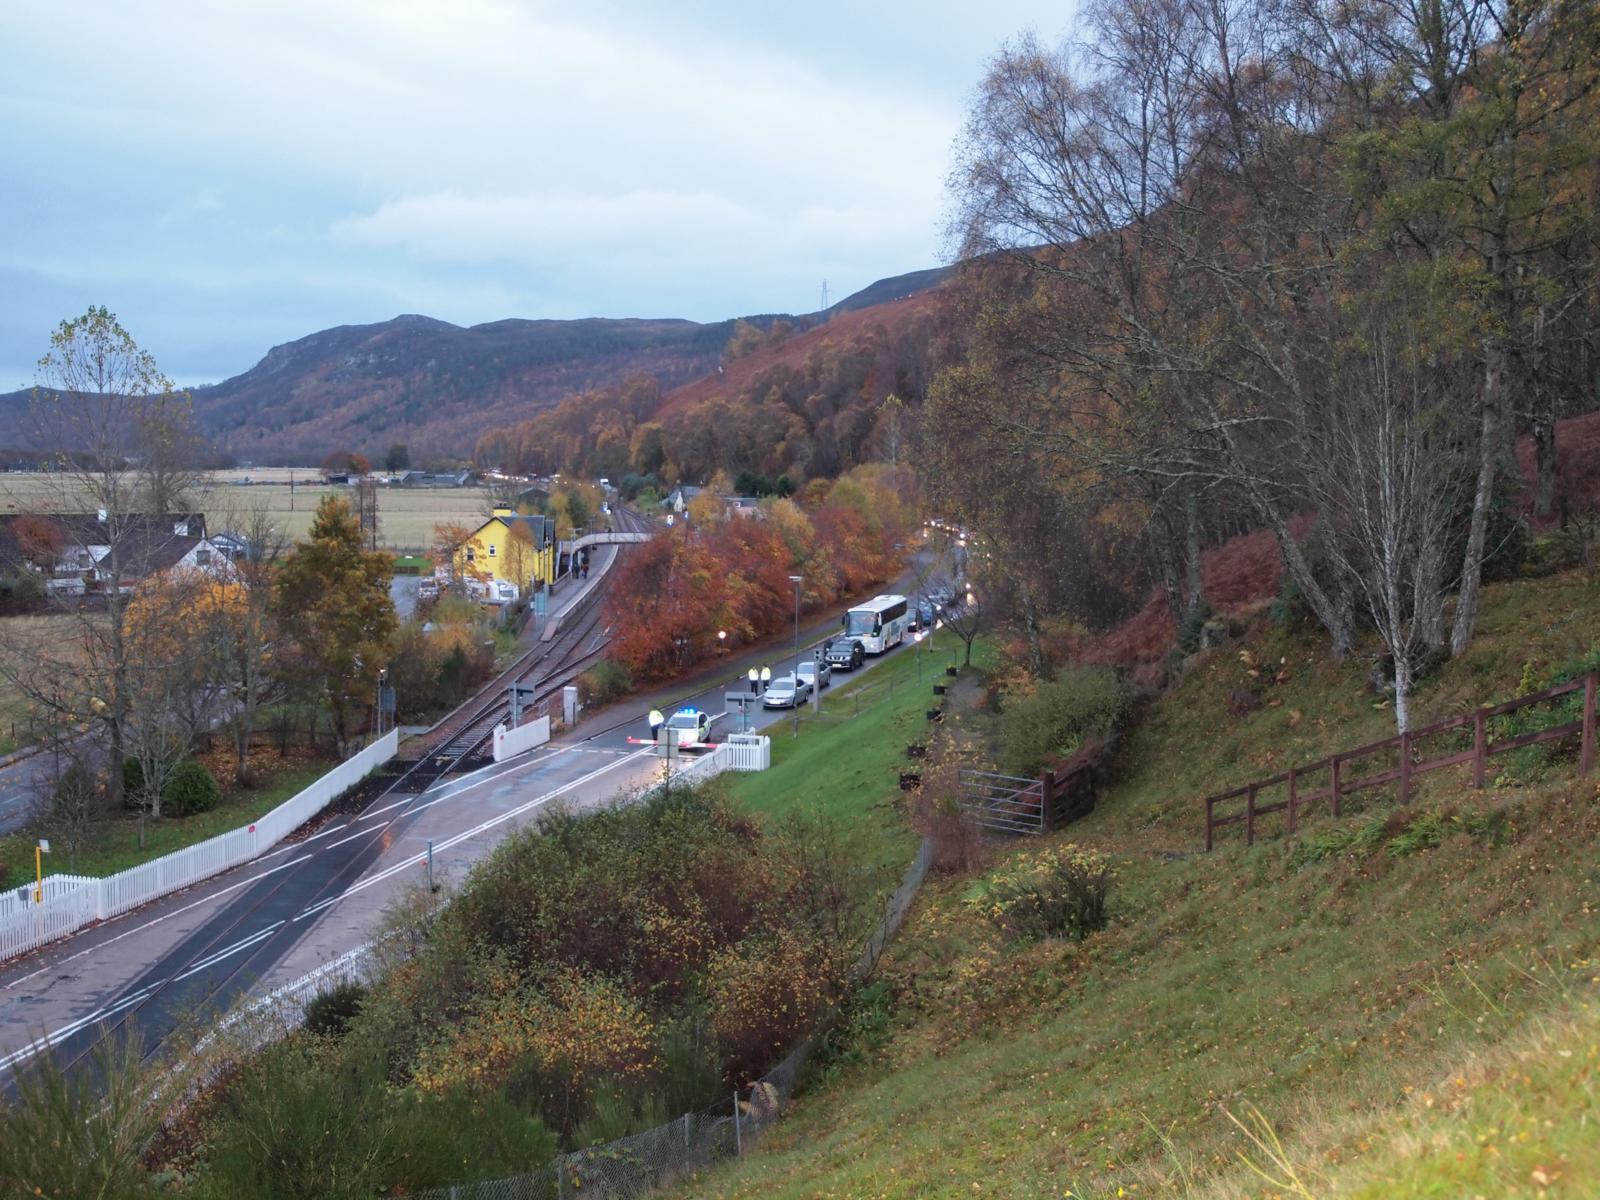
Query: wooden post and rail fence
x: 1406, y: 766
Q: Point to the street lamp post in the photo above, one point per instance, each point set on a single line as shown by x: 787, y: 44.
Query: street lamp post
x: 796, y: 580
x: 40, y: 849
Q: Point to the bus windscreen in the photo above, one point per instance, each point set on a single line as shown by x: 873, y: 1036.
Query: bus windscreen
x: 860, y: 624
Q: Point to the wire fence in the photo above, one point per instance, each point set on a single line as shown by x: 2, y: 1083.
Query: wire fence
x: 638, y: 1165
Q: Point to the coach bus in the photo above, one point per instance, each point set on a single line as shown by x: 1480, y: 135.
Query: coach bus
x: 878, y: 624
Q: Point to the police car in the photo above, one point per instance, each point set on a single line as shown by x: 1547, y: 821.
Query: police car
x: 690, y: 728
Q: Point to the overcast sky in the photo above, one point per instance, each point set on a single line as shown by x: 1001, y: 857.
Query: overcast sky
x: 228, y: 175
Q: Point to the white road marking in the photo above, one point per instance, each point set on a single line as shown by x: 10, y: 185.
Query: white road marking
x: 130, y: 999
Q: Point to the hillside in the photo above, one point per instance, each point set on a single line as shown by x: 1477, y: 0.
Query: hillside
x: 435, y: 385
x: 1390, y: 1004
x: 806, y: 402
x: 846, y: 325
x: 438, y: 386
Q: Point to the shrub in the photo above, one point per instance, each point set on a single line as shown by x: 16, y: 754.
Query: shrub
x: 1194, y: 621
x: 192, y: 789
x: 304, y: 1123
x: 616, y: 1114
x: 459, y: 1137
x: 132, y: 783
x: 81, y: 1133
x: 764, y: 995
x: 691, y: 1074
x: 604, y: 683
x: 1058, y: 717
x: 330, y: 1013
x: 1058, y: 892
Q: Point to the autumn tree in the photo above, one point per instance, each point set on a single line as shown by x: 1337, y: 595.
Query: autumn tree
x: 448, y: 548
x: 345, y: 462
x: 331, y: 602
x: 168, y: 699
x: 1191, y: 193
x: 121, y: 440
x: 236, y: 610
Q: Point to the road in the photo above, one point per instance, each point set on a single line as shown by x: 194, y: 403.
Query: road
x: 22, y: 784
x: 192, y: 955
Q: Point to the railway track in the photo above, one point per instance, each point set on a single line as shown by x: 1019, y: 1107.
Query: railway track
x: 459, y: 741
x: 220, y: 959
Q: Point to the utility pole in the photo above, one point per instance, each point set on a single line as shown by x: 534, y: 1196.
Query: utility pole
x: 796, y: 579
x: 824, y: 307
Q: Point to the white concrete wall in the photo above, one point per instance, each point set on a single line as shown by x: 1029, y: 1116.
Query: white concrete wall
x: 508, y: 743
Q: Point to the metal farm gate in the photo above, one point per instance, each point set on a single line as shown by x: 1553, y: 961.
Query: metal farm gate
x: 1004, y: 803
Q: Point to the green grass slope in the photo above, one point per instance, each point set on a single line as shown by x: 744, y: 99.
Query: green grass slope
x: 1405, y: 1009
x: 844, y: 767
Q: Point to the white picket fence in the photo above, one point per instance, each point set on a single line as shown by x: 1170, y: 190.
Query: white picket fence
x: 73, y: 901
x: 738, y: 752
x: 17, y: 899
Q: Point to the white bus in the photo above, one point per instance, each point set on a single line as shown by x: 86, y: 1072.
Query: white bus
x: 878, y: 624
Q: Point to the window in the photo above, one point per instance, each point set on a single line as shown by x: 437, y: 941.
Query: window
x: 491, y: 549
x: 202, y: 557
x: 470, y: 555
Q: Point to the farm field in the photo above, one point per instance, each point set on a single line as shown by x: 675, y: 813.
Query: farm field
x: 406, y: 516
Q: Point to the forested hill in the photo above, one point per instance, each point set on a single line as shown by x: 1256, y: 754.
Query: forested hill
x: 438, y: 386
x: 434, y: 385
x: 806, y: 399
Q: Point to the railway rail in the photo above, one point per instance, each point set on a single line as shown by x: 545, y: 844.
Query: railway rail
x: 270, y: 914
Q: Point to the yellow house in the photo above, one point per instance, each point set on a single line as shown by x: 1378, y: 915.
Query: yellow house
x: 511, y: 547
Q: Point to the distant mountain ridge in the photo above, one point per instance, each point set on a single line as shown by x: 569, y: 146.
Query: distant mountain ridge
x: 437, y: 386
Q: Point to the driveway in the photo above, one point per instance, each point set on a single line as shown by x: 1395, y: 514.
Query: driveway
x: 22, y: 783
x: 403, y: 591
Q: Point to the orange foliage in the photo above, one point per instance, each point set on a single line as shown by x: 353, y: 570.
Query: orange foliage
x: 672, y: 595
x: 577, y: 1031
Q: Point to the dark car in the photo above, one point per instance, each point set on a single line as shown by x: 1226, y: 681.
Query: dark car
x: 843, y: 654
x: 926, y: 612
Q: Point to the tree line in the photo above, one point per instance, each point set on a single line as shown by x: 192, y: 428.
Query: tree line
x: 155, y: 657
x: 817, y: 416
x: 1311, y: 266
x: 717, y: 581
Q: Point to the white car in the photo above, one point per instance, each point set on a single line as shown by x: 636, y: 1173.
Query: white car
x: 816, y: 675
x: 689, y: 727
x: 786, y: 692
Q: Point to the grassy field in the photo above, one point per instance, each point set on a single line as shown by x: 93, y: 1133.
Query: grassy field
x: 26, y: 642
x: 114, y: 843
x: 1406, y: 1012
x: 845, y: 765
x: 406, y: 516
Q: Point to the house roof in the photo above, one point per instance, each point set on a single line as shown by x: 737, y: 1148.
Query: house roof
x: 137, y: 535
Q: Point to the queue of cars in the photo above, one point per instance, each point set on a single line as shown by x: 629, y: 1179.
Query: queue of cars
x: 882, y: 621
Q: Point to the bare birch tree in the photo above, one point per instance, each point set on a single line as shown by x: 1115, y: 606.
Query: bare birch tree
x: 120, y: 439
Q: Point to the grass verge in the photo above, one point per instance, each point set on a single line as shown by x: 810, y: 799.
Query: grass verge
x: 845, y: 765
x: 113, y: 843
